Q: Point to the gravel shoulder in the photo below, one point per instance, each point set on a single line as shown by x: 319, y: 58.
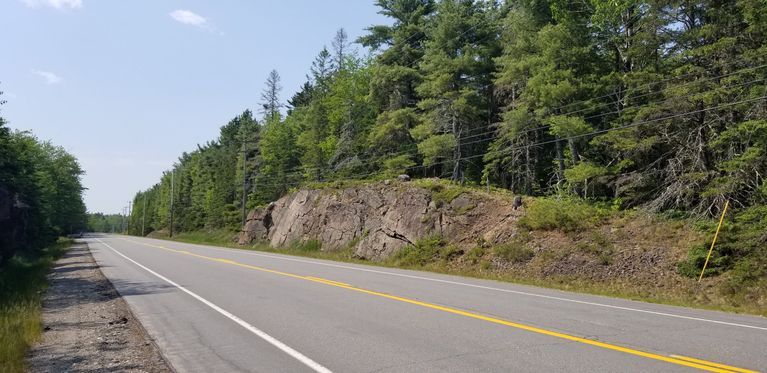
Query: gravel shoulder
x: 88, y: 327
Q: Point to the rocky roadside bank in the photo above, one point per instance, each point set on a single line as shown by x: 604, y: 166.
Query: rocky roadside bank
x: 88, y: 327
x: 378, y: 219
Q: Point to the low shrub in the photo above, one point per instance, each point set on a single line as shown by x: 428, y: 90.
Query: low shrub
x: 475, y: 255
x: 442, y: 191
x: 598, y: 245
x: 565, y: 214
x: 427, y: 250
x: 696, y: 258
x: 741, y: 247
x: 515, y: 252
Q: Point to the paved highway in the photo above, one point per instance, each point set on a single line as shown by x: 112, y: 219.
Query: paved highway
x: 220, y: 310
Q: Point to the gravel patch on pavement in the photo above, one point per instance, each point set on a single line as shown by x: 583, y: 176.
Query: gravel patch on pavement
x: 88, y: 327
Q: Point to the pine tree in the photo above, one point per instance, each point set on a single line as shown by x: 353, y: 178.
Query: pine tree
x: 457, y: 67
x: 397, y: 72
x: 270, y: 97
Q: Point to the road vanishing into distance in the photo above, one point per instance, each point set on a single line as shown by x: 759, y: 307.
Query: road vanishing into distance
x: 221, y: 310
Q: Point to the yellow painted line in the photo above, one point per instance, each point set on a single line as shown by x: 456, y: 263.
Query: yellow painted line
x: 704, y: 362
x: 673, y: 359
x: 331, y: 282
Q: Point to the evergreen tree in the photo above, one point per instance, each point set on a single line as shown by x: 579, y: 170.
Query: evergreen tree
x: 397, y: 73
x: 656, y: 103
x: 457, y: 69
x: 270, y: 97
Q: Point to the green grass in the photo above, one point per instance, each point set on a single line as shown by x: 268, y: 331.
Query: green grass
x: 428, y: 250
x: 442, y: 191
x: 219, y: 236
x: 22, y: 284
x: 565, y: 214
x: 514, y: 252
x: 599, y: 246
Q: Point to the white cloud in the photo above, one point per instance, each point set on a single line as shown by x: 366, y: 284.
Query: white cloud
x: 58, y: 4
x: 49, y: 77
x: 188, y: 17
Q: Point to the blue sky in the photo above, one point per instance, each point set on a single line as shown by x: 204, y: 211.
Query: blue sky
x: 127, y: 86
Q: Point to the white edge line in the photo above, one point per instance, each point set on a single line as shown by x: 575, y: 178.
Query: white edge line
x: 480, y: 287
x: 263, y: 335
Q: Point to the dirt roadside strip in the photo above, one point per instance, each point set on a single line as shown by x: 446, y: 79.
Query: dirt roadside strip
x: 88, y: 327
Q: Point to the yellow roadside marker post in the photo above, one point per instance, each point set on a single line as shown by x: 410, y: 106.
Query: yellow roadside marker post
x: 718, y: 227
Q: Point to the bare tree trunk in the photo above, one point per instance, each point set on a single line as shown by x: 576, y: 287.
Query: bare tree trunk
x: 560, y: 162
x: 528, y: 170
x: 456, y: 151
x: 574, y: 151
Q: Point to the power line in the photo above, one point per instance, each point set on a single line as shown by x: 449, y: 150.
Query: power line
x: 300, y: 170
x: 538, y: 128
x: 658, y: 82
x: 653, y: 93
x: 633, y: 124
x: 597, y: 132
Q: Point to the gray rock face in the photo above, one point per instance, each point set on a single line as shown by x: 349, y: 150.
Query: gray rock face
x: 379, y: 219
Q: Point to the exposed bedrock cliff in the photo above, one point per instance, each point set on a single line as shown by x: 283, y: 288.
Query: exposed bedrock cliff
x: 378, y: 219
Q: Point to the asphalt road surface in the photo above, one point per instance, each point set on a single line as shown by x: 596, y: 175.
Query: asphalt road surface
x: 221, y: 310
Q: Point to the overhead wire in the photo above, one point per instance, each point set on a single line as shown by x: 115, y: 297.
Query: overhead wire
x: 597, y: 132
x: 373, y: 159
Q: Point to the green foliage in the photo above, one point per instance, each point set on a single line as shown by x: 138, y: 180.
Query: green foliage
x: 740, y: 247
x: 306, y: 246
x: 436, y: 148
x: 426, y: 250
x: 460, y: 43
x: 40, y: 193
x: 22, y: 283
x: 207, y: 184
x: 442, y: 192
x: 398, y: 165
x: 696, y: 257
x: 515, y: 251
x: 564, y: 214
x: 583, y: 172
x: 475, y: 254
x: 105, y: 223
x: 599, y: 245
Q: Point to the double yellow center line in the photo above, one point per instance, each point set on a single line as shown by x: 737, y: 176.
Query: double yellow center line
x: 673, y: 359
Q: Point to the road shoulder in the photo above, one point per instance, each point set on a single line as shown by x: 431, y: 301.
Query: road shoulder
x: 87, y: 325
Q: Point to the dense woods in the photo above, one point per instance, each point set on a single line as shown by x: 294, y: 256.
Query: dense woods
x: 106, y: 223
x: 652, y: 104
x: 40, y: 192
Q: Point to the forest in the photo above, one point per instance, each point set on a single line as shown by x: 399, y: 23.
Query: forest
x: 40, y: 193
x: 658, y: 105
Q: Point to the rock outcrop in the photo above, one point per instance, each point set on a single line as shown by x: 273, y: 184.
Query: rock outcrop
x: 378, y: 219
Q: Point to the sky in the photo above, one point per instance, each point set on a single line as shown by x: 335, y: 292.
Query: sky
x: 127, y: 86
